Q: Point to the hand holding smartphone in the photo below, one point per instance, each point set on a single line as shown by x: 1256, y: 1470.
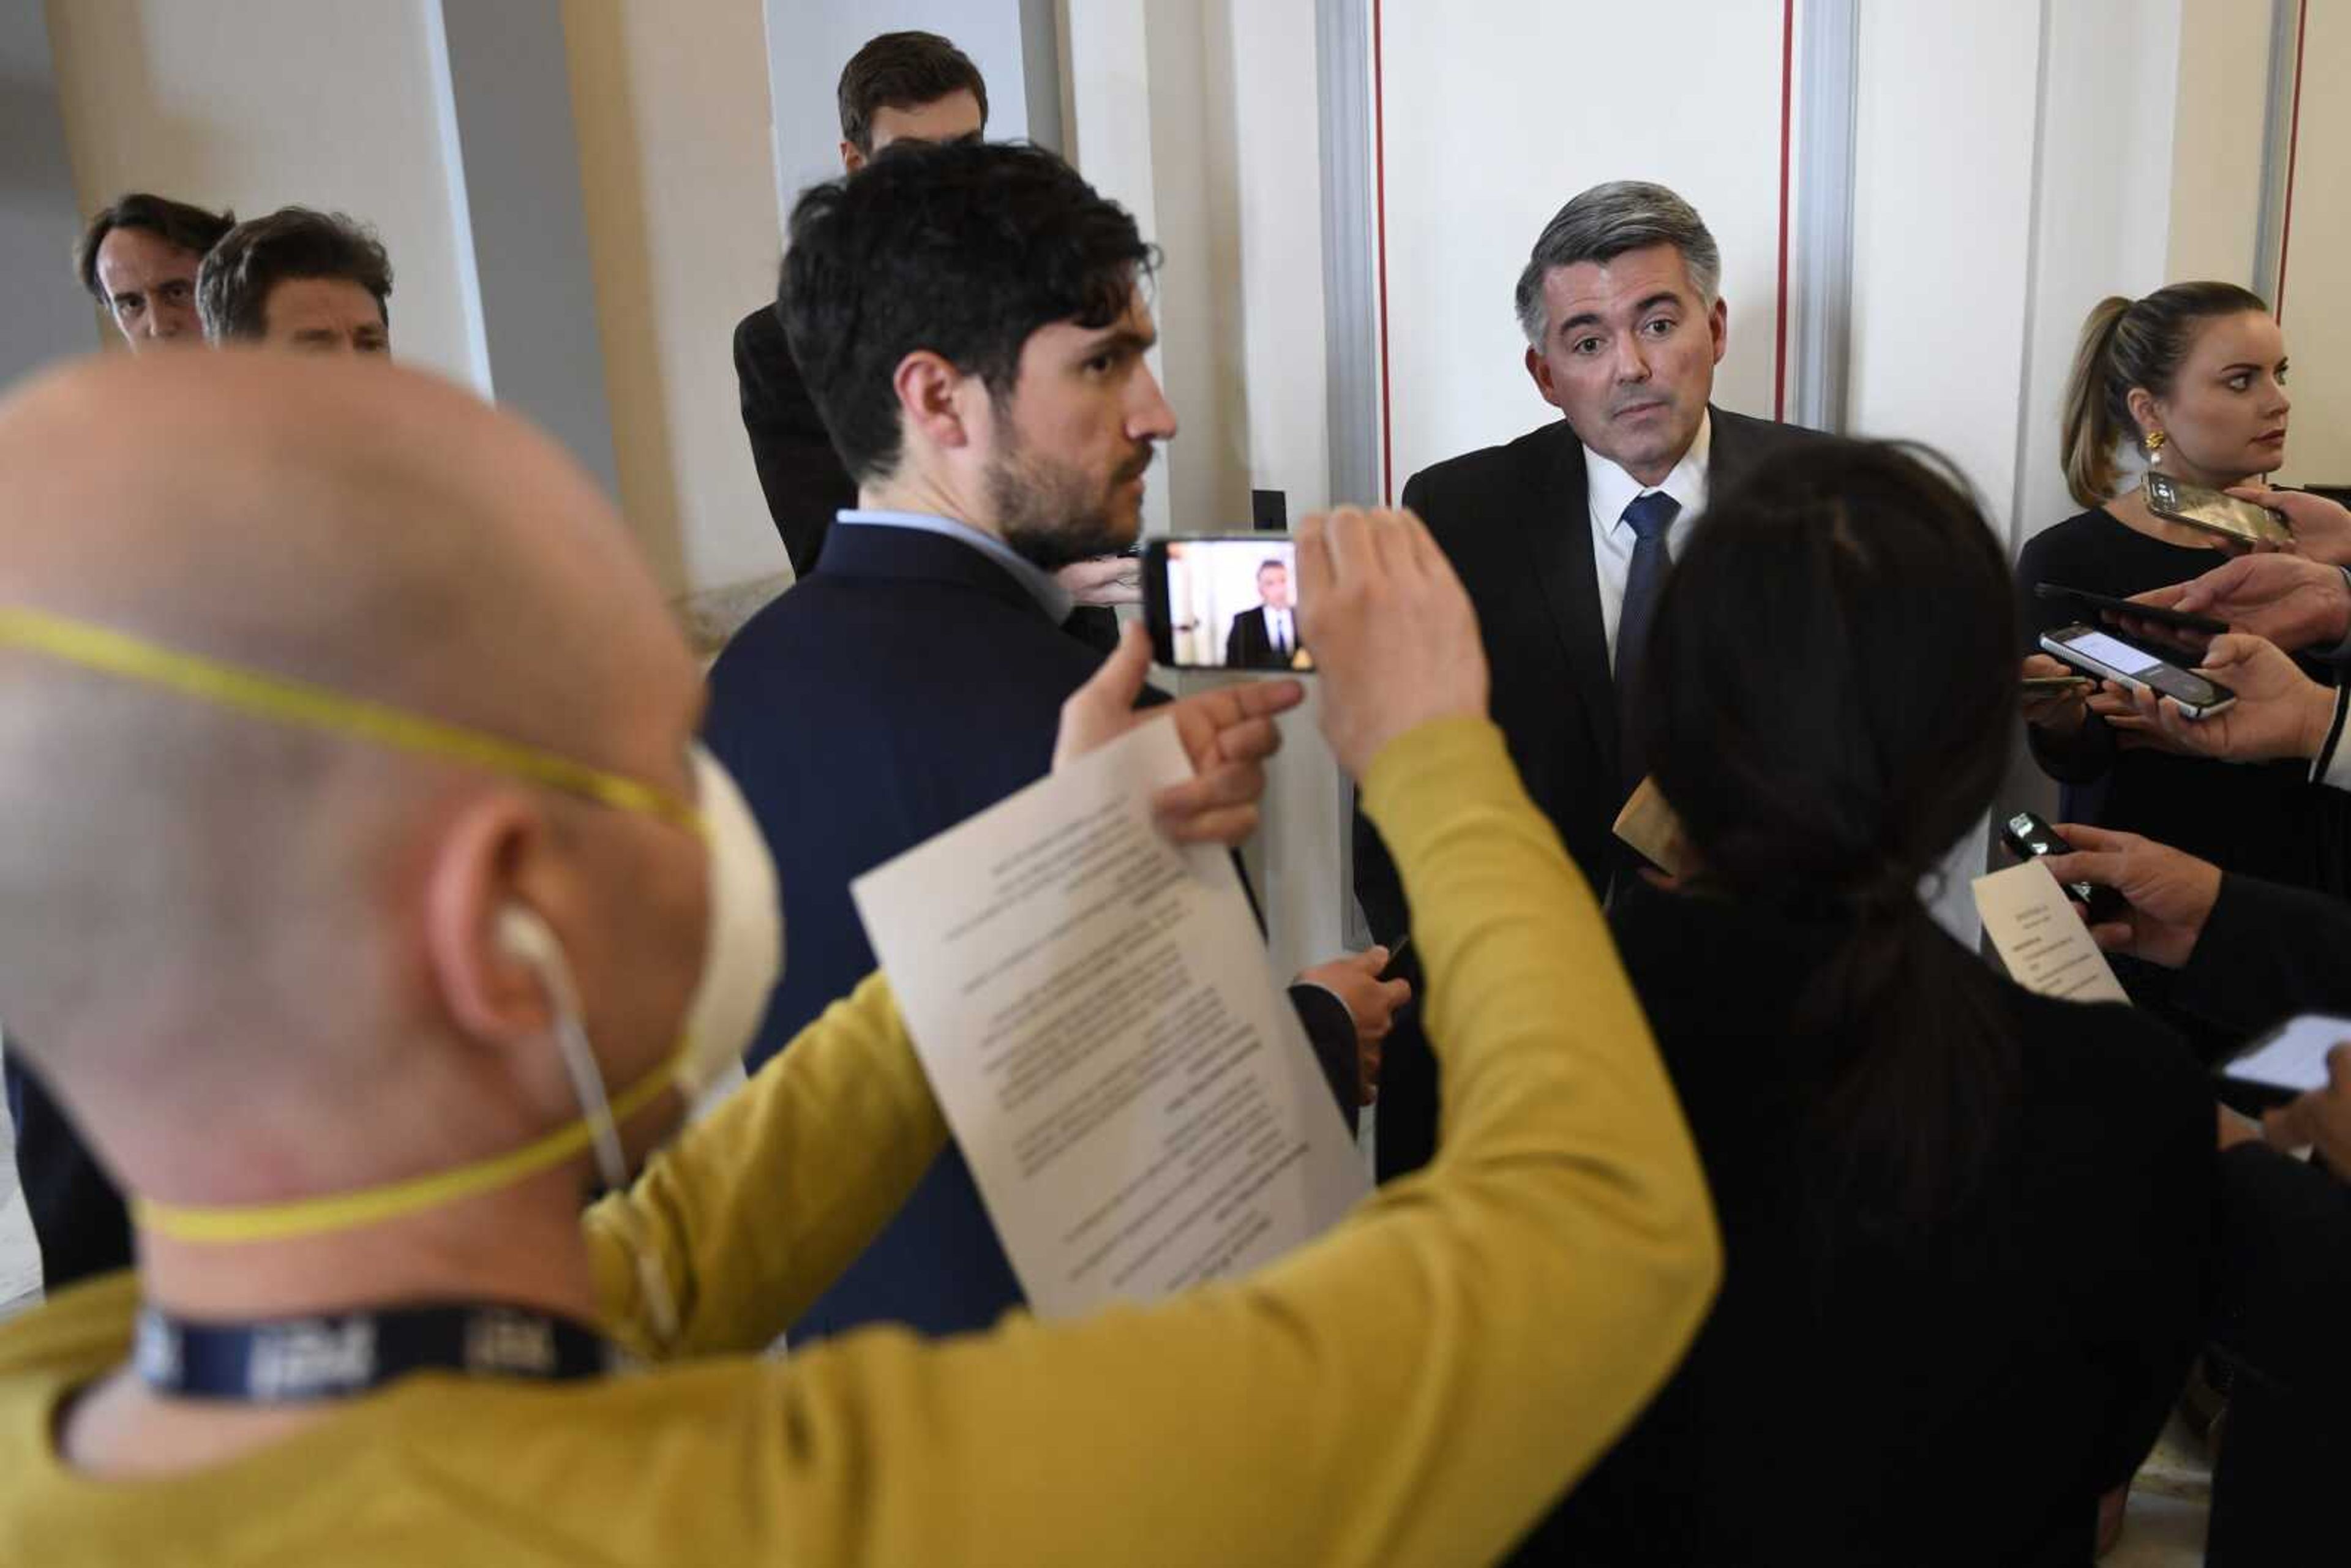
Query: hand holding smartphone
x: 2109, y: 658
x: 2030, y: 838
x: 2244, y: 522
x: 2106, y: 605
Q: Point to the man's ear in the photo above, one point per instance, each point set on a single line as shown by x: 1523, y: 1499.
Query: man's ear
x: 482, y: 867
x: 929, y: 387
x: 1538, y: 370
x: 852, y: 159
x: 1718, y: 322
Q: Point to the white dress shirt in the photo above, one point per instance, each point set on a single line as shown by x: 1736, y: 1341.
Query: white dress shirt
x: 1609, y: 489
x: 1277, y: 629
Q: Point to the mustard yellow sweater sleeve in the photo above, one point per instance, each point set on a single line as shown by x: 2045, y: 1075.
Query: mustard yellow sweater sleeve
x: 1413, y: 1388
x: 756, y: 1209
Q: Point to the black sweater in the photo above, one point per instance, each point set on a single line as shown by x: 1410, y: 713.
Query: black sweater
x: 1859, y: 1398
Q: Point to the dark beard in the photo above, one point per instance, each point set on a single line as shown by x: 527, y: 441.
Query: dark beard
x: 1051, y: 514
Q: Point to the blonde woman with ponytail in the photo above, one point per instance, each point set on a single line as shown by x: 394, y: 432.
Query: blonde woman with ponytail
x: 2191, y: 381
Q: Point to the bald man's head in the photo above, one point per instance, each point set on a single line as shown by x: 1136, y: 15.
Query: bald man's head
x: 253, y: 919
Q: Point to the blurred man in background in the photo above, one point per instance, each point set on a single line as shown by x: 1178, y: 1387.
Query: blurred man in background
x: 139, y: 259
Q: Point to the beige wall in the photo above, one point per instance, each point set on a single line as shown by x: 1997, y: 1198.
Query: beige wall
x: 2317, y: 308
x: 672, y: 105
x: 2221, y: 125
x: 324, y: 102
x: 332, y: 103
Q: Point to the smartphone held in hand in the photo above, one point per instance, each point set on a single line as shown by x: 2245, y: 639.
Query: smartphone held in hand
x: 1224, y: 603
x: 2217, y: 513
x: 2109, y: 658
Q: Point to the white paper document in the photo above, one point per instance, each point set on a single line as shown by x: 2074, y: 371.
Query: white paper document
x: 2294, y: 1057
x: 1098, y: 1017
x: 2041, y: 937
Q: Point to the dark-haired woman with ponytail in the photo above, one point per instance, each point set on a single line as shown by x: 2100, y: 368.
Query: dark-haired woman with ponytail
x: 2192, y: 378
x: 1966, y: 1229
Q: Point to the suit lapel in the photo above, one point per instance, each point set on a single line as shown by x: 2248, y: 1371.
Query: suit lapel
x: 1556, y: 525
x: 1730, y: 452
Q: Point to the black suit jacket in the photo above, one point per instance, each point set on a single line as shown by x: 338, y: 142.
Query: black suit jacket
x: 1515, y: 521
x: 1249, y: 645
x: 802, y: 476
x: 80, y: 1222
x: 908, y: 683
x: 2268, y: 951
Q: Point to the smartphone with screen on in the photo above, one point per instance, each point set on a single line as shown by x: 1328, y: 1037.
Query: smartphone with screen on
x: 2097, y: 603
x: 2108, y: 657
x: 2216, y: 513
x: 1224, y: 601
x: 2029, y: 837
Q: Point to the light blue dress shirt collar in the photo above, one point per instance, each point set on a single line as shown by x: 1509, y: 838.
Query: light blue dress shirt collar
x: 1043, y: 586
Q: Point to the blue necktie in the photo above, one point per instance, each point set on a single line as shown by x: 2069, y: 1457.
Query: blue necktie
x: 1650, y: 516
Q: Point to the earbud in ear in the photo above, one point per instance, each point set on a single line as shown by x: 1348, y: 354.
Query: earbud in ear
x: 526, y: 935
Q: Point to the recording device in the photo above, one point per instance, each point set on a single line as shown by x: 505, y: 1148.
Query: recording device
x: 1226, y: 601
x: 2289, y: 1059
x: 2110, y: 658
x: 2098, y: 604
x: 2029, y: 837
x: 2216, y: 513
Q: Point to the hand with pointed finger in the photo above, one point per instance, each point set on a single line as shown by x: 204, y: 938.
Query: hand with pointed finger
x: 2170, y: 893
x: 1228, y: 733
x: 1371, y: 1001
x: 2294, y: 602
x: 2278, y: 711
x: 1391, y: 628
x: 2321, y: 528
x: 2320, y: 1119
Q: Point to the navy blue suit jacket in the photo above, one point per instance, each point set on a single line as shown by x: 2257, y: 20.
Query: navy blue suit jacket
x: 907, y: 683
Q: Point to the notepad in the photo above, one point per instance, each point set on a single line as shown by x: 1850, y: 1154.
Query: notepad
x: 1650, y: 825
x: 1096, y: 1013
x: 2041, y: 938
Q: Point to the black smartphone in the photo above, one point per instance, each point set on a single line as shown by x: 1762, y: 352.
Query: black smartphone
x: 1224, y: 601
x: 2097, y: 603
x: 2108, y: 657
x: 1395, y: 969
x: 2029, y: 837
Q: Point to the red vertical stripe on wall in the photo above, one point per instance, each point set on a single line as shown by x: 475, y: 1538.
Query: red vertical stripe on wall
x: 2293, y: 148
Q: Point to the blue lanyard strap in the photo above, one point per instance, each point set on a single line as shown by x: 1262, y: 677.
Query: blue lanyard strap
x: 290, y: 1361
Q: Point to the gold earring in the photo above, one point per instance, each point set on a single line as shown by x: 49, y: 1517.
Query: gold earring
x: 2155, y: 439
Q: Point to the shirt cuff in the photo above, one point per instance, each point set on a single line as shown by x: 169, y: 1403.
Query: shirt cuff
x: 2332, y: 766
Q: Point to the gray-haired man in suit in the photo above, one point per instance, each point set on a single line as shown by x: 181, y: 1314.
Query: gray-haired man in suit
x: 1564, y: 536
